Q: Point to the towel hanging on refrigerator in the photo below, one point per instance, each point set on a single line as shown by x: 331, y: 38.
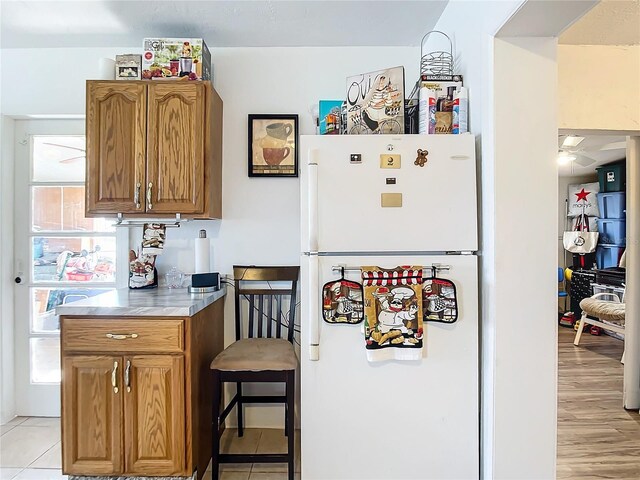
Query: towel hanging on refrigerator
x: 393, y: 313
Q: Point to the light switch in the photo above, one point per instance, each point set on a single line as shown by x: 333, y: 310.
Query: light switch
x: 391, y: 199
x: 388, y: 160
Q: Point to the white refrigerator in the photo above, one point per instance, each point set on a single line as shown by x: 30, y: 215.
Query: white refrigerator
x: 393, y: 419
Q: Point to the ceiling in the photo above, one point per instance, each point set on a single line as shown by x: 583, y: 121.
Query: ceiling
x: 594, y: 151
x: 222, y: 23
x: 611, y: 22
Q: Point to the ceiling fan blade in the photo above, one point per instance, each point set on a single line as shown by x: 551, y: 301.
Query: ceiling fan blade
x: 64, y: 146
x: 612, y: 146
x: 72, y: 159
x: 584, y: 161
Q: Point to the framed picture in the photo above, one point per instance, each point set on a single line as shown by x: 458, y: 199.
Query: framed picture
x: 273, y: 145
x: 375, y: 102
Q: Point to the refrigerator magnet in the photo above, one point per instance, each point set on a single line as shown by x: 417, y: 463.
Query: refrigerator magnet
x: 421, y: 159
x: 342, y: 301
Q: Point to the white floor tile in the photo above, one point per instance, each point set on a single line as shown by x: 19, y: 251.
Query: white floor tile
x: 274, y: 441
x: 16, y: 421
x: 11, y: 424
x: 41, y: 474
x: 9, y: 473
x: 41, y: 422
x: 271, y: 476
x: 21, y: 446
x: 228, y: 475
x: 52, y: 458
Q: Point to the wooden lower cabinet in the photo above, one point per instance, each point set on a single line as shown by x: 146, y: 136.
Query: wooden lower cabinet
x: 91, y: 415
x: 130, y: 412
x: 154, y: 414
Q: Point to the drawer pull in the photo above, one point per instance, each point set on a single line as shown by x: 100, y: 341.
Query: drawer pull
x: 127, y: 378
x: 114, y: 378
x: 121, y: 336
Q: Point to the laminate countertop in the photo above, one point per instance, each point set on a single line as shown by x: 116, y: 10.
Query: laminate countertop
x: 157, y: 302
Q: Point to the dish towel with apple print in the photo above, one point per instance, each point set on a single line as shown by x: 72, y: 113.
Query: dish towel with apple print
x: 393, y: 313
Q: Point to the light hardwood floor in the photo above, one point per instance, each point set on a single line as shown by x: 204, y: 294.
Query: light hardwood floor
x: 597, y: 438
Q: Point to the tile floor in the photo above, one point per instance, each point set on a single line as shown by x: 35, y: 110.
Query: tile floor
x: 30, y: 450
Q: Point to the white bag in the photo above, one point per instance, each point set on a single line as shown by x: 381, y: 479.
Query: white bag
x: 582, y: 199
x: 581, y: 240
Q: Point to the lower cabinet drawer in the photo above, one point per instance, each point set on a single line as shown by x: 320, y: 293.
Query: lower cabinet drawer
x: 122, y: 335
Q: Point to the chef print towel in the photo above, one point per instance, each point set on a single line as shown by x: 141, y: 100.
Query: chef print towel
x: 393, y: 313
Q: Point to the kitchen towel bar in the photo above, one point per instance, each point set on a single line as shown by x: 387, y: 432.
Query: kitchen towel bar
x: 121, y: 222
x: 437, y: 266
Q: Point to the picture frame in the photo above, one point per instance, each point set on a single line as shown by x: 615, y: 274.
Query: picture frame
x: 273, y: 145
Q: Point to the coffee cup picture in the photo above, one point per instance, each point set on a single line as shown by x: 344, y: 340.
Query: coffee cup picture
x: 273, y: 145
x: 274, y: 156
x: 279, y: 130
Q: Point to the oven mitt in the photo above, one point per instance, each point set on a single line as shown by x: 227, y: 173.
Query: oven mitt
x: 342, y: 301
x: 439, y: 300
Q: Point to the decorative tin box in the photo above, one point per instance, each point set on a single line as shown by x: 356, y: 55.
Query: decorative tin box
x: 128, y: 67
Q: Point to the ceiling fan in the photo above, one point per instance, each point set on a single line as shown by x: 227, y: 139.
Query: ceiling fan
x: 569, y: 150
x: 70, y: 159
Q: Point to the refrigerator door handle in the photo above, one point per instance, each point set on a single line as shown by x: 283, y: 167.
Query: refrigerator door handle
x: 314, y: 308
x: 313, y: 200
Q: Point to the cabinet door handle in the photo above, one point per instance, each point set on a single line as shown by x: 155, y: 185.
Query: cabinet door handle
x: 136, y: 195
x: 149, y: 204
x: 127, y: 378
x: 121, y: 336
x: 114, y: 378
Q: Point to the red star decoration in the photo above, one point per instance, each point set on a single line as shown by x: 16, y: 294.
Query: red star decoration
x: 582, y: 195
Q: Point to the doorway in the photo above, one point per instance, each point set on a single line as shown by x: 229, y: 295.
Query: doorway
x: 595, y: 433
x: 60, y: 256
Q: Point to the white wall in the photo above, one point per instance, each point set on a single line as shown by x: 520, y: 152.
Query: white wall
x: 260, y: 224
x: 525, y: 364
x: 472, y: 26
x: 598, y: 87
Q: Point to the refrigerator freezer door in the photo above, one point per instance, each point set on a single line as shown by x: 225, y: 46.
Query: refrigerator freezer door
x: 427, y: 209
x: 393, y: 420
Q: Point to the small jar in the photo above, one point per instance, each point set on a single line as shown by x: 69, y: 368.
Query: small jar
x: 174, y: 278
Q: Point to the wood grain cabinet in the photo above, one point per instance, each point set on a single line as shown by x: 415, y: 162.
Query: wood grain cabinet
x: 136, y: 393
x: 154, y: 148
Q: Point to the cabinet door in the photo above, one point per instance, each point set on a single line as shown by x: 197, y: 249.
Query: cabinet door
x: 154, y: 415
x: 175, y: 147
x: 116, y: 125
x: 92, y: 415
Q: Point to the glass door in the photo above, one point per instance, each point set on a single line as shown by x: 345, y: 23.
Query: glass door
x: 61, y: 256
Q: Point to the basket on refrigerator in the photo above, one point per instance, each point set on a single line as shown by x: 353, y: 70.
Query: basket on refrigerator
x: 438, y: 62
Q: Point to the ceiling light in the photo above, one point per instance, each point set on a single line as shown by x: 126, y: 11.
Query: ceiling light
x: 572, y: 141
x: 564, y: 158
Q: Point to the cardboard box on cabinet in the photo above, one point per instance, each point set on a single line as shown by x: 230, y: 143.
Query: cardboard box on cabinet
x: 173, y: 58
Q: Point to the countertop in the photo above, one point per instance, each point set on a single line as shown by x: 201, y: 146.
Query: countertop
x: 157, y: 302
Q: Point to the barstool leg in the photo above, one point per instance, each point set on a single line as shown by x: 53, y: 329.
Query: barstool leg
x: 215, y: 428
x: 291, y: 423
x: 240, y: 410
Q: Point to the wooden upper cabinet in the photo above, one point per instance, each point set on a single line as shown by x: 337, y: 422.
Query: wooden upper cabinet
x: 91, y: 415
x: 116, y: 147
x: 154, y: 147
x: 155, y: 415
x: 175, y: 148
